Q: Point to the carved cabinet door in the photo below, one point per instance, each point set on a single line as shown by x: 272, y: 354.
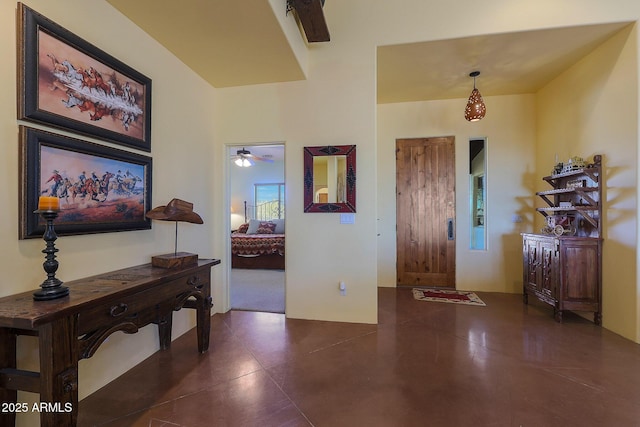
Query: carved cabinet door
x: 548, y: 267
x: 531, y: 261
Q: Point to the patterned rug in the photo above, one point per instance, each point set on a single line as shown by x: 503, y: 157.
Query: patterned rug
x: 440, y: 295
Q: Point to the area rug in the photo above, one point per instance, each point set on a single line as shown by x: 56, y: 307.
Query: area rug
x: 440, y: 295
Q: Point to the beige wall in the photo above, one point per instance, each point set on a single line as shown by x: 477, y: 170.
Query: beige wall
x: 590, y: 109
x: 602, y: 87
x: 320, y: 251
x: 333, y: 103
x: 182, y: 158
x: 336, y: 105
x: 509, y: 127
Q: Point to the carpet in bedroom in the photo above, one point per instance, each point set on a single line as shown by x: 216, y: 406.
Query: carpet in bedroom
x: 257, y: 290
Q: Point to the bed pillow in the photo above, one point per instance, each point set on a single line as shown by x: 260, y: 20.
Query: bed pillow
x: 279, y: 225
x: 243, y: 228
x: 253, y: 226
x: 266, y: 227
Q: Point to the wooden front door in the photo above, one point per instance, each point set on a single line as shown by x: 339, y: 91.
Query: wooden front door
x: 425, y: 211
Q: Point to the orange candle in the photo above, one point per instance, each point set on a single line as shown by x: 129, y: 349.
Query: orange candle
x: 48, y: 203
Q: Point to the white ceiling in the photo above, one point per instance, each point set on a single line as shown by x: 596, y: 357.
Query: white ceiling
x: 237, y: 43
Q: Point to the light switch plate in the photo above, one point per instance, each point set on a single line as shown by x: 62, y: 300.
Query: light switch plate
x: 347, y: 218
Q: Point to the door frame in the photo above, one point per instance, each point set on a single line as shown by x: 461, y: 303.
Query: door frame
x: 226, y: 223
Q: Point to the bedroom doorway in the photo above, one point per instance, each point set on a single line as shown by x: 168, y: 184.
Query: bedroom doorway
x: 257, y: 202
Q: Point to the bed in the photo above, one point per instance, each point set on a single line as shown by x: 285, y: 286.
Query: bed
x: 258, y: 243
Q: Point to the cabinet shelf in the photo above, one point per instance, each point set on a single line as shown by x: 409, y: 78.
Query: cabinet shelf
x: 580, y: 189
x: 563, y: 265
x: 592, y: 172
x: 567, y: 191
x: 567, y: 209
x: 584, y: 212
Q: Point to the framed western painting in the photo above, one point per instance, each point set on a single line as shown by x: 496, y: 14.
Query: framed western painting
x: 101, y: 189
x: 66, y: 82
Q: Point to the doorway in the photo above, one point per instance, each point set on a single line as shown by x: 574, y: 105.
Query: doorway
x: 257, y: 191
x: 425, y: 212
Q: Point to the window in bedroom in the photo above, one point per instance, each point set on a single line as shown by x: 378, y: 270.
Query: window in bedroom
x: 269, y: 201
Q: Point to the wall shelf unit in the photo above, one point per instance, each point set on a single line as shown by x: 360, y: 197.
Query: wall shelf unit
x: 576, y: 194
x: 562, y: 266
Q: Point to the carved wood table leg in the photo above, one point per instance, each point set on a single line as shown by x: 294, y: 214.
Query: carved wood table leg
x: 597, y: 318
x: 59, y: 372
x: 558, y: 315
x: 164, y: 330
x: 7, y: 361
x: 203, y: 325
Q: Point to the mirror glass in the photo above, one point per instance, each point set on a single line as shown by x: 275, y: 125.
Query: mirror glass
x: 478, y: 192
x: 330, y: 179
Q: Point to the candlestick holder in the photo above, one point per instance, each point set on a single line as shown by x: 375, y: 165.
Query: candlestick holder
x: 52, y: 287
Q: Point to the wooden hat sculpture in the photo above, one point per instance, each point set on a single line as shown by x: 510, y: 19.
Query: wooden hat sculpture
x: 179, y: 211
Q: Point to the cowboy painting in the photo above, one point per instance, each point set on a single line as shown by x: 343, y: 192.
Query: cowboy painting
x: 94, y: 196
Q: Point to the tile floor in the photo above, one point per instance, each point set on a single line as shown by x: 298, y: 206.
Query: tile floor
x: 424, y: 364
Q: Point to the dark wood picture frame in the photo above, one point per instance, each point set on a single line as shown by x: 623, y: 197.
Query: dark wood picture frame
x: 101, y: 189
x: 349, y: 203
x: 67, y: 83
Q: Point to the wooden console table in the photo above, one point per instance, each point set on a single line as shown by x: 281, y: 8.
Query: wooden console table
x: 73, y: 327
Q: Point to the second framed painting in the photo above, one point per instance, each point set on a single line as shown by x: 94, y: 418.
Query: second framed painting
x: 66, y: 82
x: 101, y: 189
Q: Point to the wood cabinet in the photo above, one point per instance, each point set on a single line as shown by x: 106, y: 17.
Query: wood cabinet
x: 564, y: 272
x: 562, y: 266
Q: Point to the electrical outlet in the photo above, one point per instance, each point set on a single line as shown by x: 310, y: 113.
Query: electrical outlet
x: 343, y: 289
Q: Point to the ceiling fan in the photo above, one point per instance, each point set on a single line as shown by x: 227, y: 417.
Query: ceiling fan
x: 244, y: 158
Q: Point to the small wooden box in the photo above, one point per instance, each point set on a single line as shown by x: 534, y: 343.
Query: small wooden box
x: 174, y: 260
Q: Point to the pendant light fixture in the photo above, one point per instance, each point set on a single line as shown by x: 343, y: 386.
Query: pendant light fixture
x: 475, y: 109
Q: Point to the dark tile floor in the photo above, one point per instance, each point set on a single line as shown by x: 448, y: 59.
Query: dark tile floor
x: 424, y: 364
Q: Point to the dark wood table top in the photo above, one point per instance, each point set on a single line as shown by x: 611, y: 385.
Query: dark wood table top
x: 21, y: 311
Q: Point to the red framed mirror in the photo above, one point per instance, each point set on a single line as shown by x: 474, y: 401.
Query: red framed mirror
x: 330, y: 178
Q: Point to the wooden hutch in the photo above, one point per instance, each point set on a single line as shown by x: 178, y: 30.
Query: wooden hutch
x: 562, y: 266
